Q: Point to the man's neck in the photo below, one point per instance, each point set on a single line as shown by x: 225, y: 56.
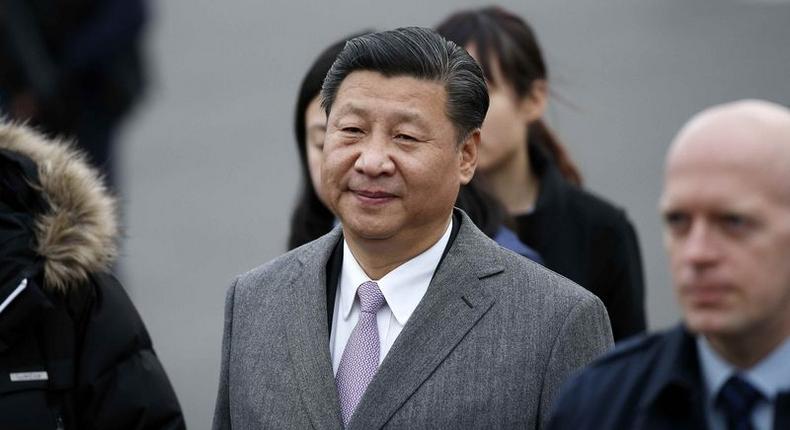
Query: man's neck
x: 745, y: 351
x: 514, y: 183
x: 377, y: 257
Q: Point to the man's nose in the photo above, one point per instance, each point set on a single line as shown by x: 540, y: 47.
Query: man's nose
x: 701, y: 246
x: 375, y: 157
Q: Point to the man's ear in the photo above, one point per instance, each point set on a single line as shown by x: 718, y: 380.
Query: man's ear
x: 533, y: 105
x: 468, y: 156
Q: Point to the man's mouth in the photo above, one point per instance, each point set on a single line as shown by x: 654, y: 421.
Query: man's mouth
x: 708, y: 294
x: 373, y: 196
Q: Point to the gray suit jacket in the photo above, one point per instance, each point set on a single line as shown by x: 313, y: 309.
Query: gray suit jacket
x: 488, y: 346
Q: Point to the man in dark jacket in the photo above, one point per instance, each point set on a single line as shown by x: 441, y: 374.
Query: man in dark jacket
x: 74, y: 353
x: 726, y: 208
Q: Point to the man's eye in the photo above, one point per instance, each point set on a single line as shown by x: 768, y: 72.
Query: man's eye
x: 676, y: 221
x: 735, y: 223
x: 406, y: 137
x: 352, y: 130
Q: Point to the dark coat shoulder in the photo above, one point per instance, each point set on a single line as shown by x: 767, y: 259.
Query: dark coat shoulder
x: 651, y: 381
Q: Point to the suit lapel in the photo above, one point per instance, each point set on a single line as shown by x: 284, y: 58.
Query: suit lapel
x: 307, y: 335
x: 454, y: 303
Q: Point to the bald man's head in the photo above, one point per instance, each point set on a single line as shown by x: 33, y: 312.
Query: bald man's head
x: 726, y: 207
x: 748, y: 134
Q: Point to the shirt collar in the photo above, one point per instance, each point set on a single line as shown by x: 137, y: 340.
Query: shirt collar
x: 675, y: 377
x: 403, y: 287
x: 769, y: 376
x: 715, y: 370
x: 772, y: 374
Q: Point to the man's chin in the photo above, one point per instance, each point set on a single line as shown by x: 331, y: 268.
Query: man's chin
x: 368, y: 232
x: 710, y: 323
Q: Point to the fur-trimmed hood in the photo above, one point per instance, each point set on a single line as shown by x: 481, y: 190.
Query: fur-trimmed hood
x: 78, y: 234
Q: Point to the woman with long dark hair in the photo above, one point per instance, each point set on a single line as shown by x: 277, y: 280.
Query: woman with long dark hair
x: 577, y: 234
x: 311, y: 217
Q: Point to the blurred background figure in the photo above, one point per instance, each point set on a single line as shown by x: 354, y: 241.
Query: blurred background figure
x: 577, y: 234
x: 74, y: 353
x: 73, y: 68
x: 311, y: 217
x: 726, y: 210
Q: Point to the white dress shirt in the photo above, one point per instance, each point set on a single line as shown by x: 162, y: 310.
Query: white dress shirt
x: 770, y: 376
x: 403, y: 288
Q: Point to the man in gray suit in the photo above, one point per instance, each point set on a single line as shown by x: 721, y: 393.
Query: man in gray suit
x: 405, y: 315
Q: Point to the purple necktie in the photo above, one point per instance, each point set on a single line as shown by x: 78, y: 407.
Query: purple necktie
x: 361, y: 356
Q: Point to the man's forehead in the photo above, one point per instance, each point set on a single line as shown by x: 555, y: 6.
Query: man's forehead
x: 372, y: 80
x: 407, y: 97
x: 364, y: 108
x: 710, y: 191
x: 719, y: 184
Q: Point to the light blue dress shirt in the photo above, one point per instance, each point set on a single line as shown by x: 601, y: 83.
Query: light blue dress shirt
x: 770, y: 376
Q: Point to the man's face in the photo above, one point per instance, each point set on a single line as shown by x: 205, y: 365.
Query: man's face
x: 727, y: 233
x: 392, y: 164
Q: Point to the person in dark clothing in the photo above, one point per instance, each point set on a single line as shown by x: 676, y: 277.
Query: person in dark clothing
x: 312, y: 219
x: 73, y: 68
x: 74, y: 353
x: 726, y: 210
x: 578, y: 234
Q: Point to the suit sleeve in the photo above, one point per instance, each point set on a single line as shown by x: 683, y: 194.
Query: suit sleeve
x: 222, y: 408
x: 585, y: 334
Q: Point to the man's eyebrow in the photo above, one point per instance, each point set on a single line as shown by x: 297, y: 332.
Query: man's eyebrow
x: 353, y: 109
x: 412, y: 117
x: 400, y: 116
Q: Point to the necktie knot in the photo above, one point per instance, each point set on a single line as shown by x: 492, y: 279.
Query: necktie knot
x: 737, y: 399
x: 370, y: 297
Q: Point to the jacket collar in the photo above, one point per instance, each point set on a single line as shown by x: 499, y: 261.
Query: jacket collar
x: 675, y: 391
x: 552, y: 184
x: 675, y: 387
x: 552, y: 200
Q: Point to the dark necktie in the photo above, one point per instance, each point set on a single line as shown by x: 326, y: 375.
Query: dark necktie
x: 737, y: 399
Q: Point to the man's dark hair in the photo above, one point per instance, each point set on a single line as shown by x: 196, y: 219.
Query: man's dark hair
x: 423, y: 54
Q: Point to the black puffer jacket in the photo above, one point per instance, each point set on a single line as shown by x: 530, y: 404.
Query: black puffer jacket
x: 74, y: 353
